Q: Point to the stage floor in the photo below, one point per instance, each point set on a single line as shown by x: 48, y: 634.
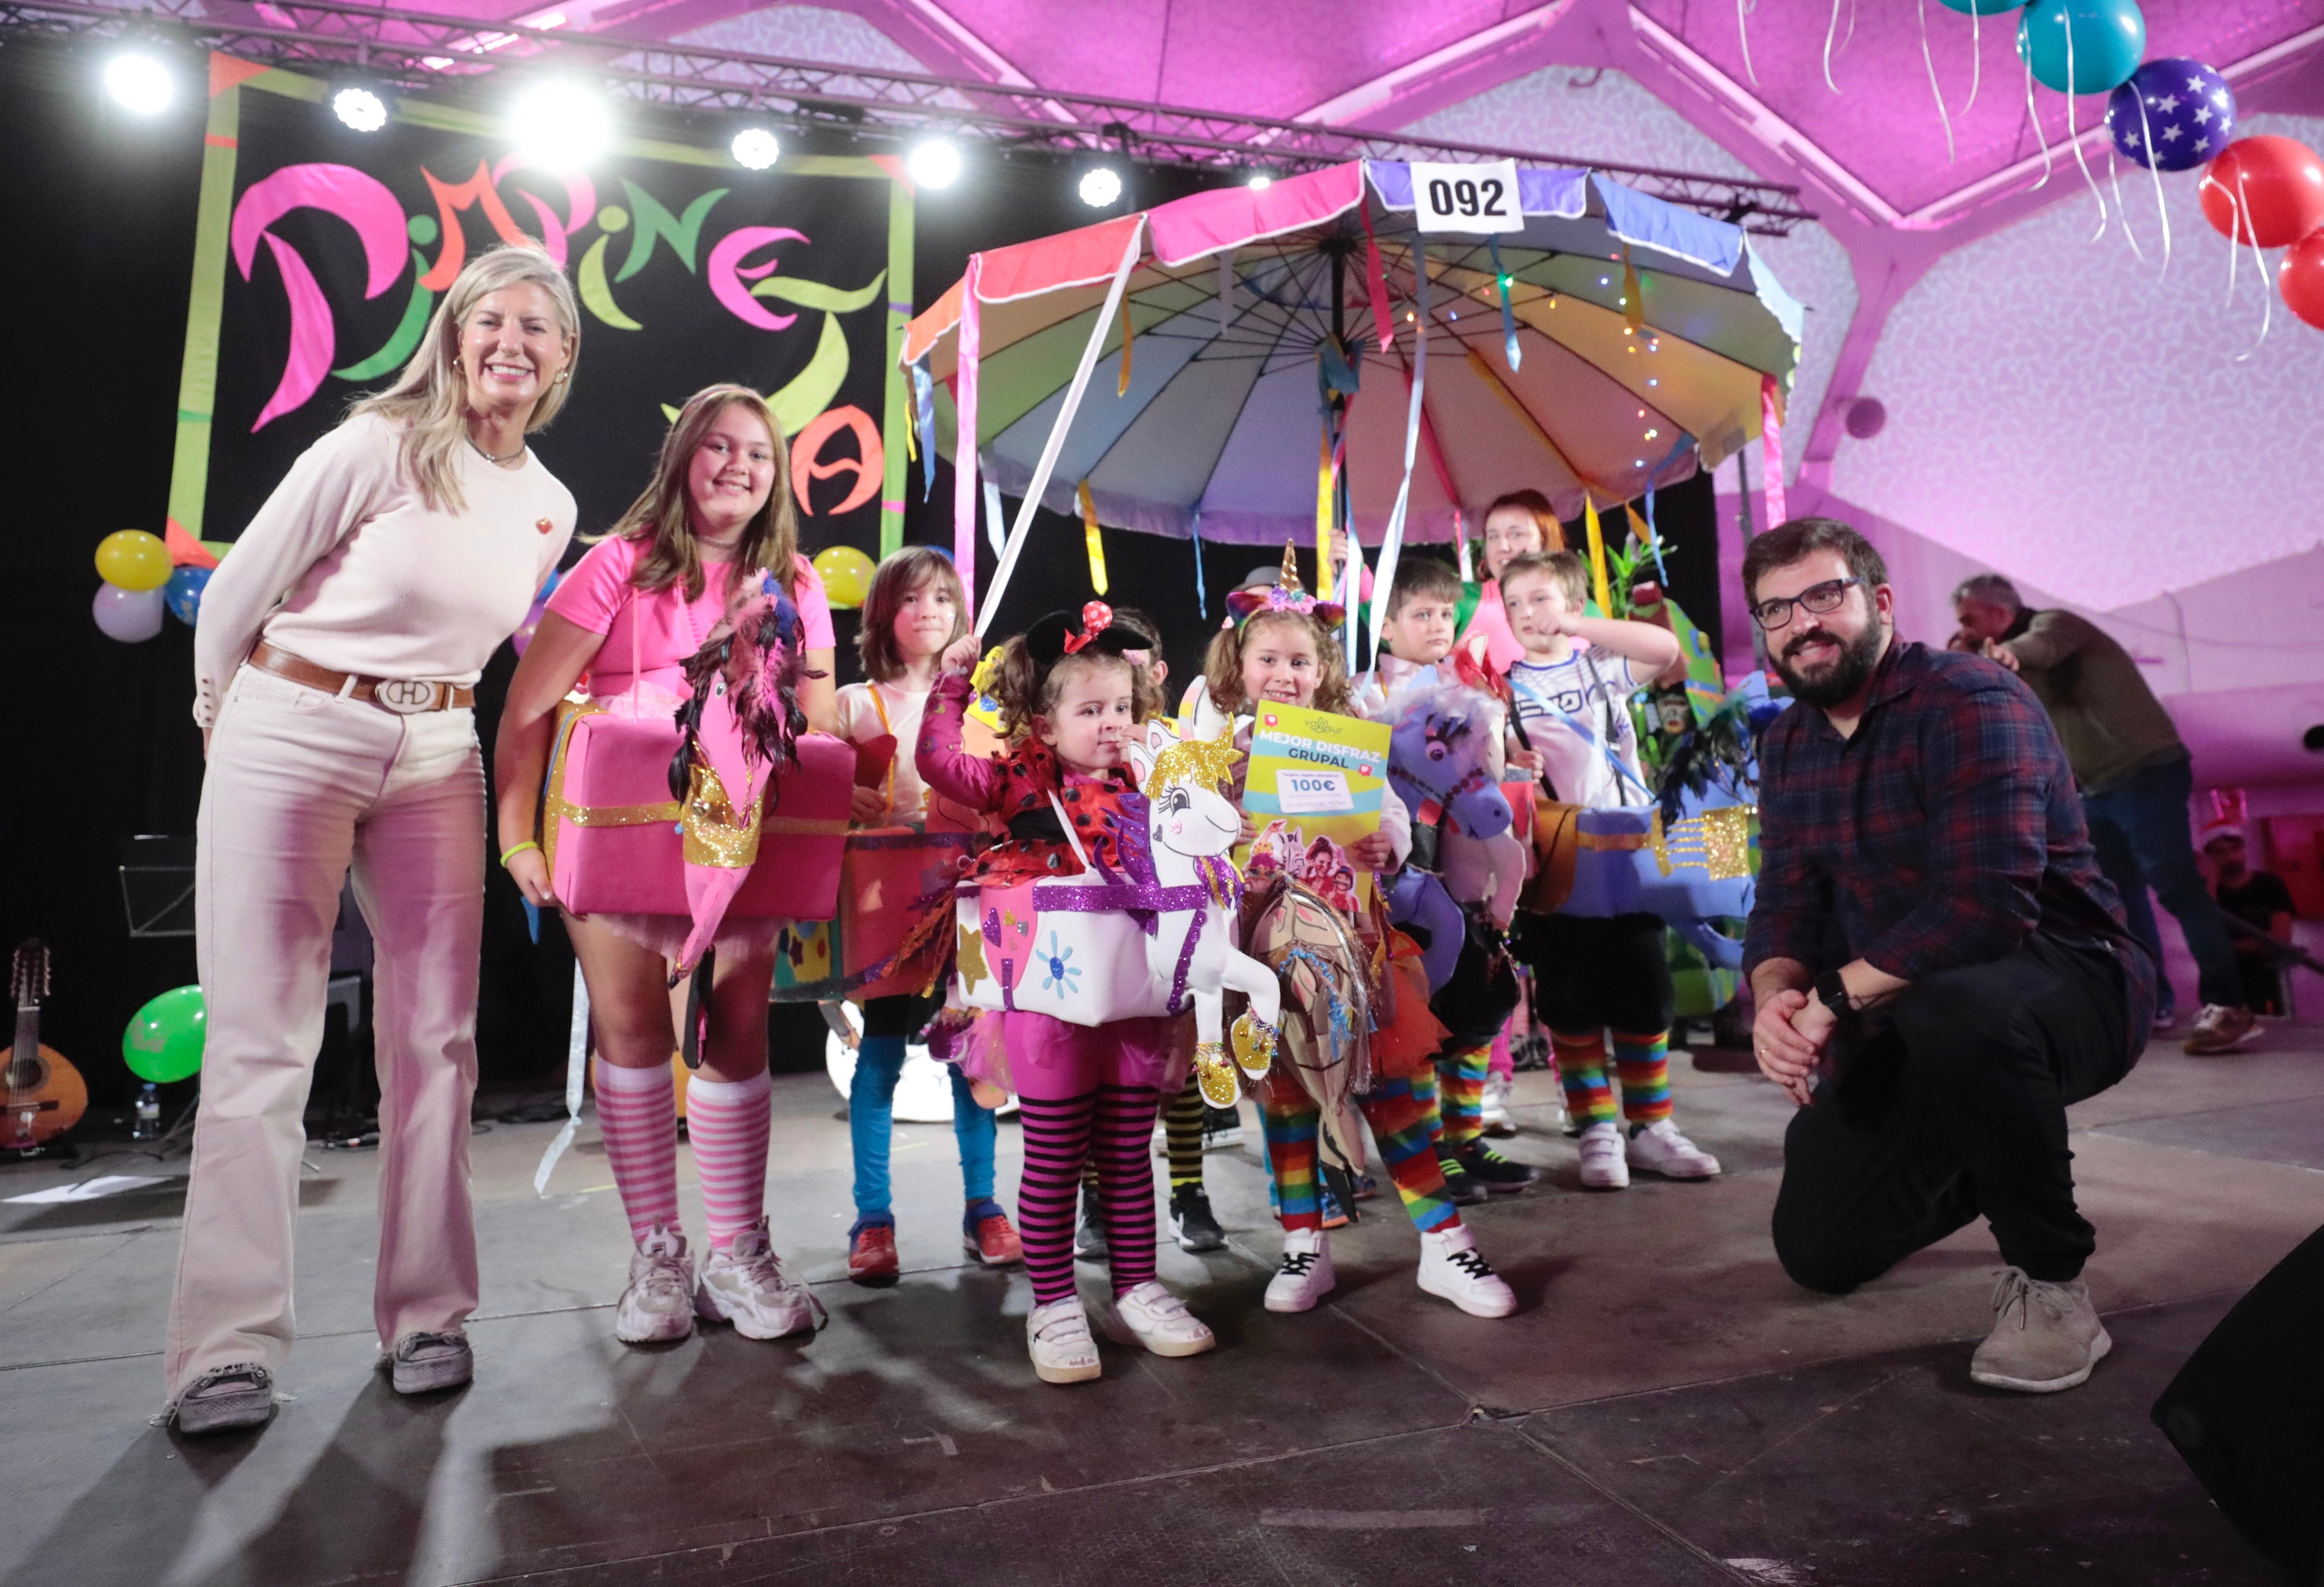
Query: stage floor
x: 1664, y: 1407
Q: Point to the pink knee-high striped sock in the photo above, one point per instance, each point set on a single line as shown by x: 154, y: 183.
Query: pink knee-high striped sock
x: 727, y: 1121
x: 637, y: 1113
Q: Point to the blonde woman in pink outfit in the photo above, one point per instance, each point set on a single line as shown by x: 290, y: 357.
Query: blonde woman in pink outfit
x: 336, y: 660
x: 716, y: 520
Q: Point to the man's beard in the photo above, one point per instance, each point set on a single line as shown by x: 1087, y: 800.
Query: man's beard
x: 1846, y: 673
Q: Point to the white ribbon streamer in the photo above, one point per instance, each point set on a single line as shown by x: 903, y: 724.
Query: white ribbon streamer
x: 576, y: 1068
x: 996, y: 524
x: 1392, y: 541
x: 1056, y: 441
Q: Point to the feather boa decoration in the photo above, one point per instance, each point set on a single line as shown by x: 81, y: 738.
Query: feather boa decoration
x: 737, y: 730
x: 762, y: 663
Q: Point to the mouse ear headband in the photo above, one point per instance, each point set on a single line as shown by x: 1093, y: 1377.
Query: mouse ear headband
x: 1059, y: 635
x: 1286, y: 594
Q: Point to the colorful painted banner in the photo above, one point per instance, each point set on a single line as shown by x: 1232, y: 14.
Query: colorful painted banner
x: 1316, y: 785
x: 319, y: 258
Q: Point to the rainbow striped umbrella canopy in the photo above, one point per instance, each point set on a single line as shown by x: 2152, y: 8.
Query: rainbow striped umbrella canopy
x: 1639, y: 342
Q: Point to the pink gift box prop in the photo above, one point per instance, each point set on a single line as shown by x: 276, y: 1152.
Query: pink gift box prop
x: 610, y: 828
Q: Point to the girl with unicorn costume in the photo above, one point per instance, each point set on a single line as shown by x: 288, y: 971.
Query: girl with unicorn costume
x: 1086, y: 931
x: 1332, y: 1063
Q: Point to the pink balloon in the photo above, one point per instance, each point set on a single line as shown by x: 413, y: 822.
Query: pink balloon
x: 131, y: 616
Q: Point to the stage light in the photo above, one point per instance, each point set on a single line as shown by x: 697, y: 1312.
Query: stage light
x: 1101, y: 185
x: 1260, y: 182
x: 755, y: 148
x: 562, y: 124
x: 140, y: 83
x: 360, y: 108
x: 935, y: 163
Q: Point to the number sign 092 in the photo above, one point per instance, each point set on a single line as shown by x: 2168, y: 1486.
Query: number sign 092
x: 1466, y: 198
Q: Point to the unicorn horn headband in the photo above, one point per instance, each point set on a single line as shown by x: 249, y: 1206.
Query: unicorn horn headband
x: 1286, y: 594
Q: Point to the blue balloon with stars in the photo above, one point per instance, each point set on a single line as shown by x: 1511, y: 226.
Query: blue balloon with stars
x: 2190, y: 114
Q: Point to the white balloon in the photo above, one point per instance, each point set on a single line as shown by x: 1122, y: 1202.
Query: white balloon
x: 131, y: 616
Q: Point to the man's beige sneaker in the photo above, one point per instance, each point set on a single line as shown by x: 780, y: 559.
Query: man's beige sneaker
x: 2045, y: 1336
x: 2220, y: 1030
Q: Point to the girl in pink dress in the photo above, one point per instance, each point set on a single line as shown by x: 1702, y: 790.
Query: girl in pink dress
x: 716, y: 520
x: 1069, y: 700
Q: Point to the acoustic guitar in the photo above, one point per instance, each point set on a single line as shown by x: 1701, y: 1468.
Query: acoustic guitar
x: 45, y: 1094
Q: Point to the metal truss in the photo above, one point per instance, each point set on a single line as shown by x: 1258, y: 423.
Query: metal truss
x: 424, y: 50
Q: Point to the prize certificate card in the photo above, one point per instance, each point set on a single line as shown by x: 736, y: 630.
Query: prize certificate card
x: 1314, y: 788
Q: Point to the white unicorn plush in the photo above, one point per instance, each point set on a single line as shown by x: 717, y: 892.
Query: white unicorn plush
x: 1149, y: 938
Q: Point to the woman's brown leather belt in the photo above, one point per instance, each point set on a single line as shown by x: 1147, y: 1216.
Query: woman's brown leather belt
x: 406, y: 696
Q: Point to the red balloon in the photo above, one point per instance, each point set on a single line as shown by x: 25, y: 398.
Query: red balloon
x: 2280, y: 183
x: 2301, y: 277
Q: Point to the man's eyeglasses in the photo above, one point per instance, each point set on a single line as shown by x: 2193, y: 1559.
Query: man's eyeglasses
x: 1817, y: 597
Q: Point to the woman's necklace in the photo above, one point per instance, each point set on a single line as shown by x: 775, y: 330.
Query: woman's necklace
x: 498, y: 462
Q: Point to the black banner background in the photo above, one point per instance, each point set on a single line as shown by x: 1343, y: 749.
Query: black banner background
x: 603, y: 445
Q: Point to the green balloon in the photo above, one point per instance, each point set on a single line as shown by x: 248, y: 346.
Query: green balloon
x: 164, y: 1040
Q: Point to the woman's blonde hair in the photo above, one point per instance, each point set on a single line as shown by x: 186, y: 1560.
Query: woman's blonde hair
x: 662, y: 517
x: 1222, y: 665
x: 430, y: 398
x: 898, y: 575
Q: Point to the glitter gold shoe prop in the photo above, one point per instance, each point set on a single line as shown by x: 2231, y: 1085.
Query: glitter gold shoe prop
x: 1215, y: 1076
x: 1254, y: 1045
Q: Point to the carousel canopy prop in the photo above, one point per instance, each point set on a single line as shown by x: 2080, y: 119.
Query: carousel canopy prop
x: 1277, y: 359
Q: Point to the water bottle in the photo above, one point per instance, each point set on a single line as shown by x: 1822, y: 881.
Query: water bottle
x: 148, y: 1126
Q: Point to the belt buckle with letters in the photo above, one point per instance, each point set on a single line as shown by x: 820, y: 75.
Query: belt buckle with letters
x: 406, y: 696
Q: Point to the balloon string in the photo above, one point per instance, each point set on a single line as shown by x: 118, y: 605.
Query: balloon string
x: 1743, y: 32
x: 1976, y: 54
x: 2246, y: 224
x: 2033, y: 114
x: 2073, y: 134
x: 2114, y: 180
x: 2155, y: 174
x: 2233, y: 237
x: 1829, y: 33
x: 1930, y: 61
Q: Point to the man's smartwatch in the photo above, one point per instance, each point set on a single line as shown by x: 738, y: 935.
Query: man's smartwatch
x: 1832, y: 991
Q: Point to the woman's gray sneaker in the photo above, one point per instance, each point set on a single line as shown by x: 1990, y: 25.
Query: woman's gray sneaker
x: 239, y: 1396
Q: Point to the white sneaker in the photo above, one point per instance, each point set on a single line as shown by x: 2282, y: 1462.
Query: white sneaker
x: 1160, y: 1320
x: 658, y: 1304
x: 1604, y: 1165
x: 1305, y: 1276
x: 1495, y: 1110
x: 1451, y: 1267
x: 1660, y: 1149
x: 747, y: 1284
x: 1057, y: 1337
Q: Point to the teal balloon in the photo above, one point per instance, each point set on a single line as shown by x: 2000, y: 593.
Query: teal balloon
x: 1983, y: 7
x: 164, y: 1040
x: 2108, y: 40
